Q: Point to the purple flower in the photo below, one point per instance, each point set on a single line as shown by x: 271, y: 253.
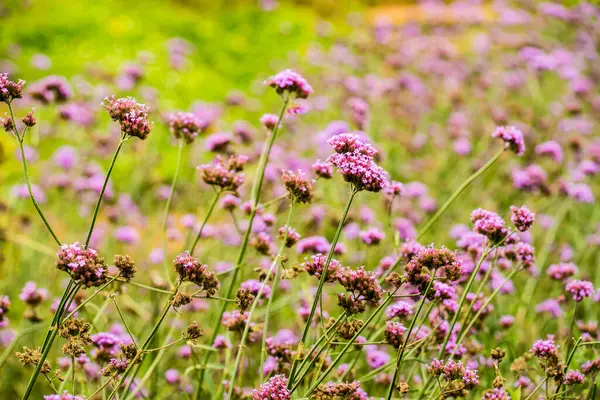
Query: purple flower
x: 544, y: 348
x: 574, y: 377
x: 522, y: 218
x: 580, y: 289
x: 512, y: 137
x: 372, y: 236
x: 185, y: 125
x: 288, y: 81
x: 131, y: 116
x: 10, y: 90
x: 63, y: 396
x: 551, y: 149
x: 274, y: 389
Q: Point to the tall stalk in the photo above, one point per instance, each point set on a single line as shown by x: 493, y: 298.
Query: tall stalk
x: 320, y: 287
x: 457, y: 193
x: 407, y: 337
x: 274, y: 264
x: 97, y: 208
x: 21, y: 138
x: 211, y: 208
x: 256, y: 189
x: 167, y: 208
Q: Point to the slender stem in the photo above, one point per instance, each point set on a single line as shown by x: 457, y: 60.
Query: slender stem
x: 457, y: 193
x: 532, y: 284
x: 569, y: 359
x: 263, y: 349
x: 123, y: 320
x: 95, y: 215
x: 536, y: 388
x: 46, y: 350
x: 572, y: 328
x: 320, y: 286
x: 407, y: 337
x: 80, y: 306
x: 153, y: 366
x: 462, y: 301
x: 242, y: 345
x: 168, y: 206
x: 27, y: 181
x: 144, y: 347
x: 345, y: 349
x: 256, y: 189
x: 210, y: 211
x: 73, y: 373
x: 465, y: 331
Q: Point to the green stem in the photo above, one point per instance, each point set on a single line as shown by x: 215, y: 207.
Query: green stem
x: 168, y: 206
x: 542, y: 258
x: 407, y: 337
x: 143, y: 348
x: 465, y: 331
x: 27, y: 181
x: 320, y: 286
x: 345, y: 349
x: 46, y: 350
x: 242, y: 345
x: 95, y: 215
x: 457, y: 193
x: 536, y: 388
x: 463, y: 296
x: 256, y: 189
x: 210, y: 211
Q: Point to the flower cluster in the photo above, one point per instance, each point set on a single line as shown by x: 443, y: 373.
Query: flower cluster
x: 224, y: 173
x: 10, y: 90
x: 489, y: 224
x: 579, y: 289
x: 299, y: 188
x: 394, y: 333
x: 291, y: 83
x: 185, y: 126
x: 544, y: 349
x: 51, y: 89
x: 452, y: 371
x: 191, y: 269
x: 275, y: 389
x: 522, y: 218
x: 429, y: 259
x: 316, y: 265
x: 354, y: 160
x: 512, y: 137
x: 131, y: 115
x: 361, y: 288
x: 340, y: 390
x: 83, y: 264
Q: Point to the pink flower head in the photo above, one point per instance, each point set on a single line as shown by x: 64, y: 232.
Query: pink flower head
x: 580, y: 289
x: 512, y: 137
x: 274, y: 389
x: 185, y: 125
x: 10, y: 90
x: 131, y: 115
x: 288, y: 81
x: 522, y: 218
x: 544, y: 348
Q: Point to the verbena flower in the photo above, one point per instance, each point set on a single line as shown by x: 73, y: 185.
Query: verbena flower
x: 51, y: 89
x: 394, y: 333
x: 224, y: 173
x: 185, y: 125
x: 131, y: 116
x: 361, y: 288
x: 544, y: 349
x: 512, y: 137
x: 289, y: 82
x: 353, y: 158
x: 299, y: 188
x: 316, y: 264
x: 574, y: 377
x: 63, y: 396
x: 275, y: 389
x: 83, y: 264
x: 522, y: 218
x: 190, y: 269
x: 10, y: 90
x: 579, y: 289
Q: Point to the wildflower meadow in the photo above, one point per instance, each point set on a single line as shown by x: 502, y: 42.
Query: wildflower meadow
x: 276, y: 200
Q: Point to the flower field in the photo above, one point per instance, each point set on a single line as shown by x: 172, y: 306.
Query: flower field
x: 296, y: 200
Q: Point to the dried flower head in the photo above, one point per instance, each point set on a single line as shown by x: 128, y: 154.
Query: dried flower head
x: 32, y: 357
x: 29, y: 120
x: 126, y: 266
x: 224, y: 173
